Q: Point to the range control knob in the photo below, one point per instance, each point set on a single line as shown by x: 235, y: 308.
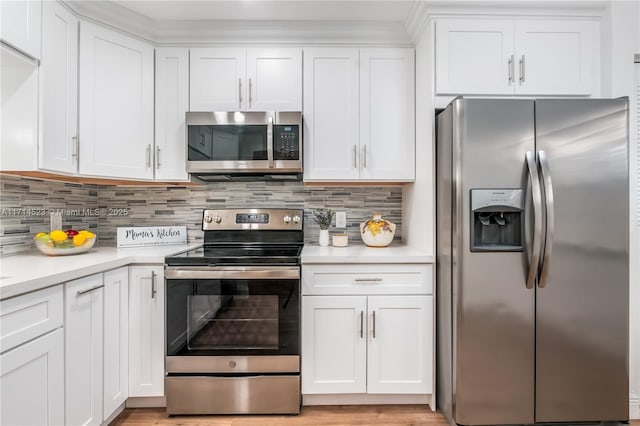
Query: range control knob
x: 296, y: 219
x: 287, y: 219
x: 217, y: 219
x: 208, y: 219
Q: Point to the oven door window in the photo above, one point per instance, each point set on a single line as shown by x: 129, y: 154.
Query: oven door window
x: 227, y: 143
x: 231, y: 317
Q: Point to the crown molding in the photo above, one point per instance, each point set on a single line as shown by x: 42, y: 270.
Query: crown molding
x: 417, y: 20
x: 230, y: 32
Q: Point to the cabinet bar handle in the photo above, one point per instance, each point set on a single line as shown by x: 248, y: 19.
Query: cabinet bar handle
x: 153, y: 285
x: 364, y: 160
x: 355, y: 155
x: 359, y: 280
x: 157, y: 157
x: 89, y: 290
x: 239, y: 93
x: 149, y: 156
x: 250, y: 97
x: 511, y: 70
x: 76, y: 146
x: 361, y: 324
x: 374, y: 324
x: 522, y: 66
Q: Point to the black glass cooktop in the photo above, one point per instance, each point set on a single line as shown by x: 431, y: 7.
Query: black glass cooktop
x: 234, y: 254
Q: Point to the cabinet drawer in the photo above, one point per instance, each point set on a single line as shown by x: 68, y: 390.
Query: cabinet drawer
x: 26, y: 317
x: 367, y: 279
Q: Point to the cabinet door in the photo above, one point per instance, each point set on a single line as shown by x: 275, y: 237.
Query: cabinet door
x: 387, y: 114
x: 146, y: 331
x: 21, y: 25
x: 331, y: 114
x: 116, y: 339
x: 334, y: 349
x: 556, y: 57
x: 59, y: 90
x: 473, y: 57
x: 172, y: 102
x: 274, y: 79
x: 400, y: 357
x: 32, y: 382
x: 116, y: 104
x: 217, y: 79
x: 83, y: 350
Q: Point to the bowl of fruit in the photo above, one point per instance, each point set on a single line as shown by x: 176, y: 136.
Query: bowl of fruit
x: 60, y: 243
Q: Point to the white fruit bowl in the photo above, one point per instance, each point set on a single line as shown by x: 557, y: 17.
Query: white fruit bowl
x: 51, y: 249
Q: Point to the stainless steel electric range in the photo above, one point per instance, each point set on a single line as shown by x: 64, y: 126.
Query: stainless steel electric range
x: 233, y: 316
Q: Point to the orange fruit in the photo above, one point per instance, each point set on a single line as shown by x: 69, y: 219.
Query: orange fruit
x: 79, y: 240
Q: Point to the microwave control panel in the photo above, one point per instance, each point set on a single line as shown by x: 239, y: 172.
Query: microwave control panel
x: 286, y: 142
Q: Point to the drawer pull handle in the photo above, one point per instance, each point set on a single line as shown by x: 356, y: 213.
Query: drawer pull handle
x: 89, y: 290
x: 361, y: 324
x: 153, y: 285
x: 360, y: 280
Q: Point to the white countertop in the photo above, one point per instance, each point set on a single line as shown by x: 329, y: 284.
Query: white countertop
x: 395, y: 253
x: 24, y: 273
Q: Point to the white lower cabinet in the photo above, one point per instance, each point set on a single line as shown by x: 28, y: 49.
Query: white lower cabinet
x: 363, y: 339
x: 32, y: 360
x: 116, y: 340
x: 96, y: 343
x: 146, y: 331
x: 84, y: 299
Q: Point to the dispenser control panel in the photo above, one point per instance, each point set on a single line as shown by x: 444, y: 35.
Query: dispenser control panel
x: 497, y: 220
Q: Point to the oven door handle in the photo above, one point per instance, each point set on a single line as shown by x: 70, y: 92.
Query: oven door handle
x: 247, y: 273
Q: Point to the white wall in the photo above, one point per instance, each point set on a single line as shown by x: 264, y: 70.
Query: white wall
x: 418, y: 199
x: 621, y: 39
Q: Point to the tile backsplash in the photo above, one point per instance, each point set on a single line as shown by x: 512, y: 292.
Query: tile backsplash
x: 25, y: 204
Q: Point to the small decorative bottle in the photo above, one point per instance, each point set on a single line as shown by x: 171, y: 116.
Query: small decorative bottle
x: 377, y: 232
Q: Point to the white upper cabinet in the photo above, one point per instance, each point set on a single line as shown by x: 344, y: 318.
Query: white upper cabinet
x: 59, y: 89
x: 116, y: 104
x: 387, y: 114
x: 359, y: 114
x: 216, y: 79
x: 522, y: 57
x: 331, y: 113
x: 172, y: 102
x: 274, y: 79
x: 21, y: 25
x: 474, y: 56
x: 556, y: 57
x: 238, y: 79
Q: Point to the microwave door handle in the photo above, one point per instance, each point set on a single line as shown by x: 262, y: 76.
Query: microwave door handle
x: 270, y: 141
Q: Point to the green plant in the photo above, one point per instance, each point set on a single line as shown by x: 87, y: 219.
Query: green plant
x: 323, y: 217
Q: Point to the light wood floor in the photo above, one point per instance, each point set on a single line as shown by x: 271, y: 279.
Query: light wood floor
x: 388, y: 415
x: 392, y: 415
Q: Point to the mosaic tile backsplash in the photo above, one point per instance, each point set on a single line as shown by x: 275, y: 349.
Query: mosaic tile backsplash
x: 22, y: 200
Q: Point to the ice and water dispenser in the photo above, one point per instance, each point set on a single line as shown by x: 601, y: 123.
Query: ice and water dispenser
x: 497, y: 220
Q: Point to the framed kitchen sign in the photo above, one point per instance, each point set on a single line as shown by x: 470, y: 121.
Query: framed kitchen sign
x: 140, y: 236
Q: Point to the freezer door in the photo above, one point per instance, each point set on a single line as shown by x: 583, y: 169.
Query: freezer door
x: 493, y: 310
x: 582, y: 310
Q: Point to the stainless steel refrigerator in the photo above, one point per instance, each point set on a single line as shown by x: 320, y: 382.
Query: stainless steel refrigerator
x: 532, y: 261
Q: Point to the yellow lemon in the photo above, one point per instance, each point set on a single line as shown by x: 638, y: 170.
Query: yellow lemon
x: 58, y: 236
x: 40, y: 234
x: 87, y: 233
x: 79, y: 240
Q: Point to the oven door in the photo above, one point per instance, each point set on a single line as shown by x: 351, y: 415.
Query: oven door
x: 232, y: 311
x: 224, y: 142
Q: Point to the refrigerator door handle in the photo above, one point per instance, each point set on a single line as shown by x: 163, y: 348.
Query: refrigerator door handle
x: 549, y: 210
x: 537, y: 219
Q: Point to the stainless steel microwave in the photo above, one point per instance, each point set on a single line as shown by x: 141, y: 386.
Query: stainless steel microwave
x: 244, y: 143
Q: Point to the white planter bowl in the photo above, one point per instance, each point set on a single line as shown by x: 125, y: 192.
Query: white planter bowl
x: 377, y: 232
